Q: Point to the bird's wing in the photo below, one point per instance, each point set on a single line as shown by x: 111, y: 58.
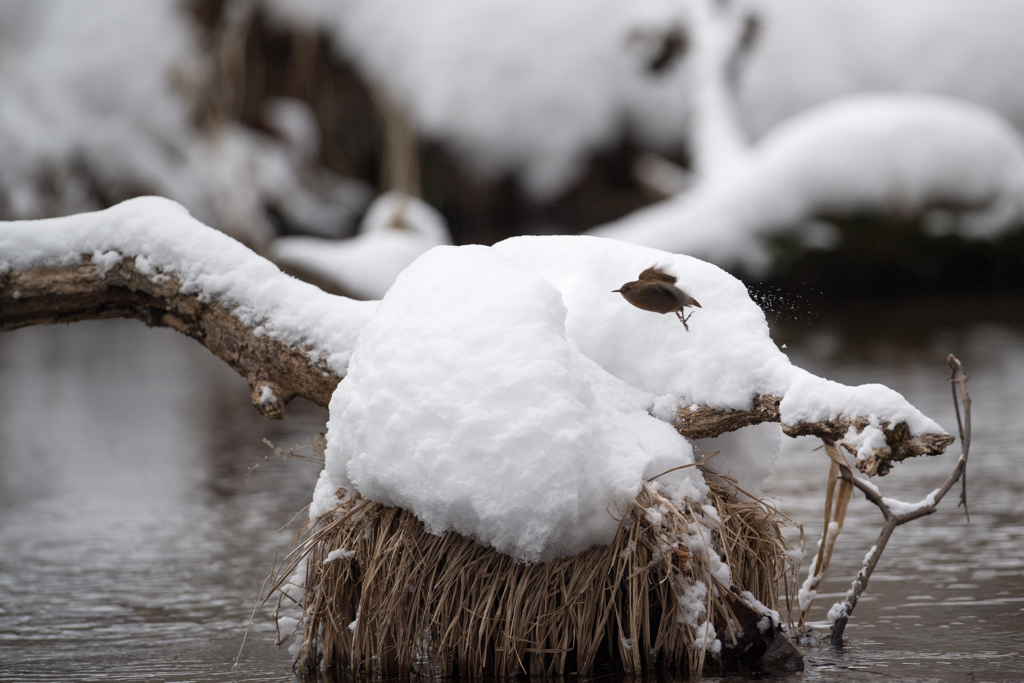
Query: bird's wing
x: 679, y: 295
x: 656, y: 273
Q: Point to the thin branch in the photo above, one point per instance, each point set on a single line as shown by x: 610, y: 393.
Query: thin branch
x: 959, y: 379
x: 840, y: 613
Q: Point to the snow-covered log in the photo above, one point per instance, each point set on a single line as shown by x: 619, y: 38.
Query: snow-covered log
x: 149, y: 259
x: 897, y: 442
x: 507, y: 394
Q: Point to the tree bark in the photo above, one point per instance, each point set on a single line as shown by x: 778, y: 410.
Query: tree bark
x: 276, y: 372
x: 704, y: 422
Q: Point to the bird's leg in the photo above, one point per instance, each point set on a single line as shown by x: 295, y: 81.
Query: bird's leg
x: 682, y: 319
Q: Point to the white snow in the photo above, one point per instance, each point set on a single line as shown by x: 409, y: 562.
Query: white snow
x: 325, y: 496
x: 705, y: 639
x: 534, y: 88
x: 528, y: 87
x: 339, y: 554
x: 896, y: 154
x: 98, y: 106
x: 287, y: 625
x: 692, y: 599
x: 396, y: 230
x: 267, y: 395
x: 898, y: 507
x: 519, y: 86
x: 105, y: 260
x: 505, y: 392
x: 806, y: 594
x: 771, y: 617
x: 836, y: 612
x: 747, y: 455
x: 164, y: 241
x: 866, y: 441
x: 467, y: 403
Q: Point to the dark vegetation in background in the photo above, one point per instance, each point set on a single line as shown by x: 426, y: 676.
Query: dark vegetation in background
x: 281, y: 62
x: 881, y: 258
x: 878, y: 258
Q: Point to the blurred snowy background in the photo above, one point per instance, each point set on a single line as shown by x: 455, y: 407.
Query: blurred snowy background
x: 855, y: 146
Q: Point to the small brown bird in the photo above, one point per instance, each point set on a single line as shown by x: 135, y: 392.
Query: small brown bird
x: 656, y: 291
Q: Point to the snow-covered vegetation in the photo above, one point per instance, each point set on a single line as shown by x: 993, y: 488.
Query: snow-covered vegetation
x: 536, y: 88
x: 958, y: 165
x: 102, y: 105
x: 507, y: 393
x: 517, y: 88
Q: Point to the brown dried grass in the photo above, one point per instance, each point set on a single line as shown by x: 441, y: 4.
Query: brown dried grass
x: 425, y: 604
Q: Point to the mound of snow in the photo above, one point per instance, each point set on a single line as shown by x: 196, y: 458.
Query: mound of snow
x: 508, y: 394
x: 396, y: 230
x: 877, y: 154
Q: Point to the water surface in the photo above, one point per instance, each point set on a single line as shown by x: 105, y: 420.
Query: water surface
x: 132, y: 545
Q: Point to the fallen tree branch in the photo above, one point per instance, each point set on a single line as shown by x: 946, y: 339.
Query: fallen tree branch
x: 276, y: 371
x: 702, y: 422
x: 148, y: 259
x: 897, y: 512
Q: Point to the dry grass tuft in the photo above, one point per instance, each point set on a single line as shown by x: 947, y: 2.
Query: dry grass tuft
x: 401, y: 601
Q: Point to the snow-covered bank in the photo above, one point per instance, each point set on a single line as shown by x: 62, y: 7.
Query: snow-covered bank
x: 903, y: 155
x: 532, y: 88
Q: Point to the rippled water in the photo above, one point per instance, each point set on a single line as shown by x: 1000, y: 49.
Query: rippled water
x: 946, y: 602
x: 132, y: 547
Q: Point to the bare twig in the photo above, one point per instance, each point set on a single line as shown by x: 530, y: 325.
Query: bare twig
x: 840, y: 612
x: 317, y: 444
